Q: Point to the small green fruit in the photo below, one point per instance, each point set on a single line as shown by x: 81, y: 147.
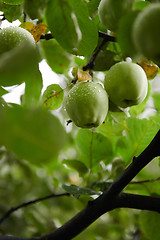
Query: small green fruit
x: 145, y: 32
x: 111, y: 11
x: 87, y: 104
x: 12, y: 37
x: 126, y: 84
x: 18, y: 55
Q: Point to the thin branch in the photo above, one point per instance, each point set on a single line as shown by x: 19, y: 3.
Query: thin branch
x: 106, y: 38
x: 25, y: 204
x: 3, y: 17
x: 47, y: 36
x: 146, y: 181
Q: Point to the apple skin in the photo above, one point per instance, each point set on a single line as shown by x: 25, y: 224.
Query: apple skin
x: 18, y: 55
x: 145, y: 32
x: 87, y: 104
x: 126, y: 84
x: 11, y: 37
x: 111, y: 11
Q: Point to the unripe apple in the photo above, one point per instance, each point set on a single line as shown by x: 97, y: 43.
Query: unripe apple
x: 126, y: 84
x: 18, y: 54
x: 87, y: 104
x: 12, y: 37
x: 145, y: 32
x: 111, y: 11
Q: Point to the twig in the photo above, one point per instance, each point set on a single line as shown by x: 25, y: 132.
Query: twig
x: 145, y: 181
x: 25, y: 204
x: 106, y: 38
x: 46, y: 36
x: 3, y: 17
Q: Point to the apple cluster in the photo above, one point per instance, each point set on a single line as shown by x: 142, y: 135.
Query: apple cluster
x: 87, y: 102
x: 125, y: 85
x: 143, y: 36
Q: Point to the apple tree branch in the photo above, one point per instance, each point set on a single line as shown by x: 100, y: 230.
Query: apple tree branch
x: 111, y: 199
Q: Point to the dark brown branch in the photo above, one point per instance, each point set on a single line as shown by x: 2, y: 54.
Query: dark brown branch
x: 138, y: 163
x: 141, y: 202
x: 111, y: 199
x: 25, y: 204
x: 47, y: 36
x: 106, y: 38
x: 108, y: 200
x: 2, y: 17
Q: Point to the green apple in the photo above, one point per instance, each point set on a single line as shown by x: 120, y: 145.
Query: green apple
x: 18, y: 54
x: 87, y: 104
x: 111, y: 11
x: 145, y: 32
x: 12, y: 37
x: 126, y: 84
x: 12, y: 2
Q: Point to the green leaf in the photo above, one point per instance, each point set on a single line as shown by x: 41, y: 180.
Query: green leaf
x: 35, y: 8
x: 93, y: 146
x: 140, y: 5
x: 68, y: 21
x: 33, y: 87
x: 93, y: 7
x: 79, y: 166
x: 57, y: 58
x: 156, y: 99
x: 53, y: 97
x: 16, y: 65
x: 11, y: 12
x: 140, y: 108
x: 32, y: 134
x: 3, y: 91
x: 101, y: 186
x: 136, y: 138
x: 61, y: 23
x: 124, y: 35
x: 114, y: 124
x: 150, y: 224
x: 104, y: 60
x: 78, y: 191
